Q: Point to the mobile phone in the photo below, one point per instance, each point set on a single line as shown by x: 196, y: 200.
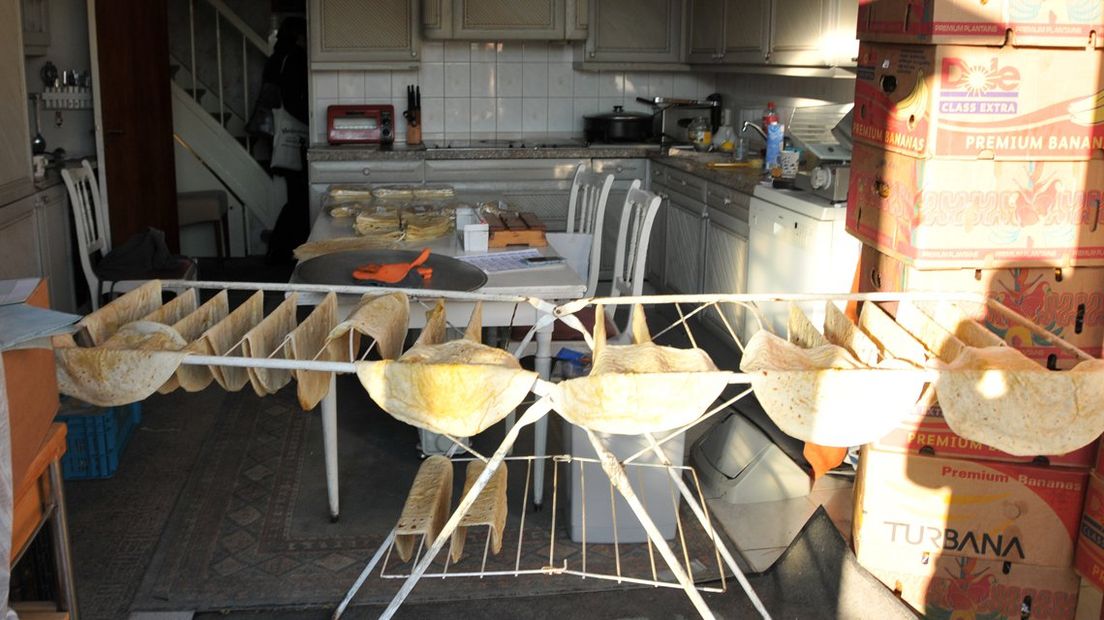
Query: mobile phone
x: 544, y: 260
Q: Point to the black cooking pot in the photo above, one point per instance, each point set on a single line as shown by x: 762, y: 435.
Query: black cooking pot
x: 618, y: 126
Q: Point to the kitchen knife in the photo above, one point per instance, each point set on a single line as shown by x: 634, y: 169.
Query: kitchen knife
x: 418, y: 98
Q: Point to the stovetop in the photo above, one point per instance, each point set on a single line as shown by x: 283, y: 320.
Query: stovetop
x: 519, y: 143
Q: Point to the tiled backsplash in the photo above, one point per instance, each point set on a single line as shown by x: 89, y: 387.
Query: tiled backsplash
x: 489, y: 90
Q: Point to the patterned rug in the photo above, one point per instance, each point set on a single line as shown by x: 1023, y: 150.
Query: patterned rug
x: 251, y: 526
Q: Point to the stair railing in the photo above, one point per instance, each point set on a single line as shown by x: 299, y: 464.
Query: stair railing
x: 249, y: 38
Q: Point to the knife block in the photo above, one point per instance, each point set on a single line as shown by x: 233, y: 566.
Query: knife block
x: 414, y: 133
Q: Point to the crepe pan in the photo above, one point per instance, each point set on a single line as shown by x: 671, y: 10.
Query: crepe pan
x: 449, y: 274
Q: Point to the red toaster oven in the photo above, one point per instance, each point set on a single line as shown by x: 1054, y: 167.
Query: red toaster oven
x: 360, y: 124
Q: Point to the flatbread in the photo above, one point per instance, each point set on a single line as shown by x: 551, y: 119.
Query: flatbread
x: 308, y: 342
x: 457, y: 388
x: 802, y: 332
x: 178, y: 307
x: 824, y: 395
x: 226, y: 335
x: 999, y: 397
x: 131, y: 306
x: 840, y: 331
x: 383, y: 318
x: 641, y: 387
x: 955, y: 320
x: 266, y: 340
x: 934, y: 338
x: 891, y: 337
x: 191, y: 328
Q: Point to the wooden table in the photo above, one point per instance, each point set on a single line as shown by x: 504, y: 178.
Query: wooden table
x: 553, y: 284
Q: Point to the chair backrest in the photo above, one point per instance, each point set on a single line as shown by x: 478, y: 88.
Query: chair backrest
x: 637, y: 216
x: 586, y: 210
x: 91, y: 223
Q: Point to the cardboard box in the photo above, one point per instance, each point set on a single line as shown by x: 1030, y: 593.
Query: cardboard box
x: 982, y: 22
x: 910, y: 509
x: 1089, y: 559
x: 960, y: 102
x: 926, y: 430
x: 939, y: 213
x: 949, y: 587
x: 1067, y: 302
x: 31, y: 382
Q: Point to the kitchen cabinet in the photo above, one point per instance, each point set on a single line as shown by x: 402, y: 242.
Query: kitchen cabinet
x: 725, y: 271
x: 728, y: 31
x: 634, y: 32
x: 505, y: 20
x: 684, y: 235
x: 370, y: 34
x: 35, y: 241
x: 577, y: 20
x: 36, y: 27
x: 799, y: 29
x: 15, y: 149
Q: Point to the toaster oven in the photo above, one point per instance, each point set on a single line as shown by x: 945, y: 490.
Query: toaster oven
x: 360, y: 124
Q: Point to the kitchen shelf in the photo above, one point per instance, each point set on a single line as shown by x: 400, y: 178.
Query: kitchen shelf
x: 67, y: 98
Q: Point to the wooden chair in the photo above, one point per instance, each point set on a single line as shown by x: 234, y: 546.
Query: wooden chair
x: 638, y: 215
x: 586, y: 210
x: 94, y: 238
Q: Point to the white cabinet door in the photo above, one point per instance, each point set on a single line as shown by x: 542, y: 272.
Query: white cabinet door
x: 799, y: 32
x: 746, y: 31
x: 508, y: 19
x: 56, y: 246
x: 635, y: 31
x: 725, y: 267
x: 20, y: 251
x: 437, y: 19
x: 684, y: 246
x: 705, y: 30
x: 577, y: 20
x: 36, y: 28
x: 373, y: 33
x: 15, y: 144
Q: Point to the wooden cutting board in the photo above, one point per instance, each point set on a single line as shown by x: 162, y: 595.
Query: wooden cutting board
x: 523, y: 229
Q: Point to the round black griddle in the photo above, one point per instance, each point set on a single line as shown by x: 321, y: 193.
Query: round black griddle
x: 449, y: 274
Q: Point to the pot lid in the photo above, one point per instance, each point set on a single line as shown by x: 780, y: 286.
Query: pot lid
x: 619, y: 114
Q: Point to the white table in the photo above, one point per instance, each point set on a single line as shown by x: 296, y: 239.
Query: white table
x: 553, y: 284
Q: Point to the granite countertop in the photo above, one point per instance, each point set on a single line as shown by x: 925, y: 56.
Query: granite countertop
x: 740, y: 179
x: 326, y: 153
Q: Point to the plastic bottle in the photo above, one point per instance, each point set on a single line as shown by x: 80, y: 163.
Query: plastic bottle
x: 775, y: 132
x: 725, y: 139
x: 770, y: 116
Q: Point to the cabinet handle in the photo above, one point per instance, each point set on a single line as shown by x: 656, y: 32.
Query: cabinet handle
x: 682, y: 182
x: 663, y: 195
x: 366, y: 172
x: 727, y: 201
x: 619, y: 169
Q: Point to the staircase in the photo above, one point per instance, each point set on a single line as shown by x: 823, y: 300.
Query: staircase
x: 213, y: 50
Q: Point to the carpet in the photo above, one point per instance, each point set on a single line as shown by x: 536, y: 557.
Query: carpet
x: 251, y: 527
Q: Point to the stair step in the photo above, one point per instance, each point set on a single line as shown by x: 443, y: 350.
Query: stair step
x: 226, y: 116
x: 196, y: 93
x: 173, y: 70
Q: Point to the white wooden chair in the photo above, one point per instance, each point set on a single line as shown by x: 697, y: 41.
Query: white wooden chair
x: 94, y: 237
x: 586, y: 210
x: 638, y: 215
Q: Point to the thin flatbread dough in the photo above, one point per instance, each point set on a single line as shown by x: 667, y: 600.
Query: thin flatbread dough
x: 840, y: 331
x: 932, y: 335
x: 999, y: 397
x: 191, y: 328
x: 456, y: 388
x: 178, y: 307
x: 129, y: 367
x: 641, y: 387
x: 131, y: 306
x: 266, y: 341
x: 802, y: 331
x: 955, y: 320
x: 226, y: 335
x: 824, y: 395
x: 891, y: 337
x: 307, y: 342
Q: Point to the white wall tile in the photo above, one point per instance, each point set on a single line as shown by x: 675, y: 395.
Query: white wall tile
x: 606, y: 104
x: 508, y: 76
x: 433, y: 51
x: 535, y: 51
x: 561, y: 115
x: 611, y: 84
x: 457, y: 79
x: 319, y: 120
x: 561, y: 52
x: 457, y: 51
x: 534, y: 114
x: 433, y: 114
x: 508, y: 114
x: 325, y: 84
x: 482, y: 79
x: 560, y: 80
x: 586, y: 84
x: 582, y: 108
x: 377, y: 85
x: 637, y: 84
x: 661, y: 85
x: 350, y: 84
x: 685, y: 86
x: 400, y: 80
x: 457, y: 115
x: 534, y: 80
x: 484, y: 51
x: 510, y: 51
x: 400, y: 120
x: 483, y: 115
x: 431, y: 77
x: 706, y: 85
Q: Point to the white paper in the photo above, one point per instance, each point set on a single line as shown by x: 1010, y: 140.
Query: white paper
x: 20, y: 323
x: 17, y: 291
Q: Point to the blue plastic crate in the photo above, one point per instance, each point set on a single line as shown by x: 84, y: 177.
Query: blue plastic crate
x: 96, y: 438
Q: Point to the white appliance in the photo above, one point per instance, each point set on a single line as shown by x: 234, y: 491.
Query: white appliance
x: 797, y: 244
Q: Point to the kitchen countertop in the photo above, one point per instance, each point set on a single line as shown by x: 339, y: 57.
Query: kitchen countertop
x: 740, y: 179
x: 326, y: 153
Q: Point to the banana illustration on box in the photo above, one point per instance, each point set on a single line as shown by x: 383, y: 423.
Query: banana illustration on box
x: 913, y: 107
x: 1088, y: 111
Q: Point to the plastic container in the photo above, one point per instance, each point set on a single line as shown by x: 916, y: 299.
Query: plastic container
x: 725, y: 138
x: 96, y: 437
x: 775, y: 133
x: 770, y: 116
x: 700, y: 133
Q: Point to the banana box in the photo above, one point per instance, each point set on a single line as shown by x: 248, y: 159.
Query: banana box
x: 1067, y: 302
x: 912, y: 509
x: 941, y: 214
x: 960, y: 102
x: 960, y: 588
x: 1034, y: 23
x: 1089, y: 557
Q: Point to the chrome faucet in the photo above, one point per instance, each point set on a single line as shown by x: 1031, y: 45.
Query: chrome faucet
x: 751, y: 125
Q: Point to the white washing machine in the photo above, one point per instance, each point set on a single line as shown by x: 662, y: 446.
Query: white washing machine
x: 797, y: 244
